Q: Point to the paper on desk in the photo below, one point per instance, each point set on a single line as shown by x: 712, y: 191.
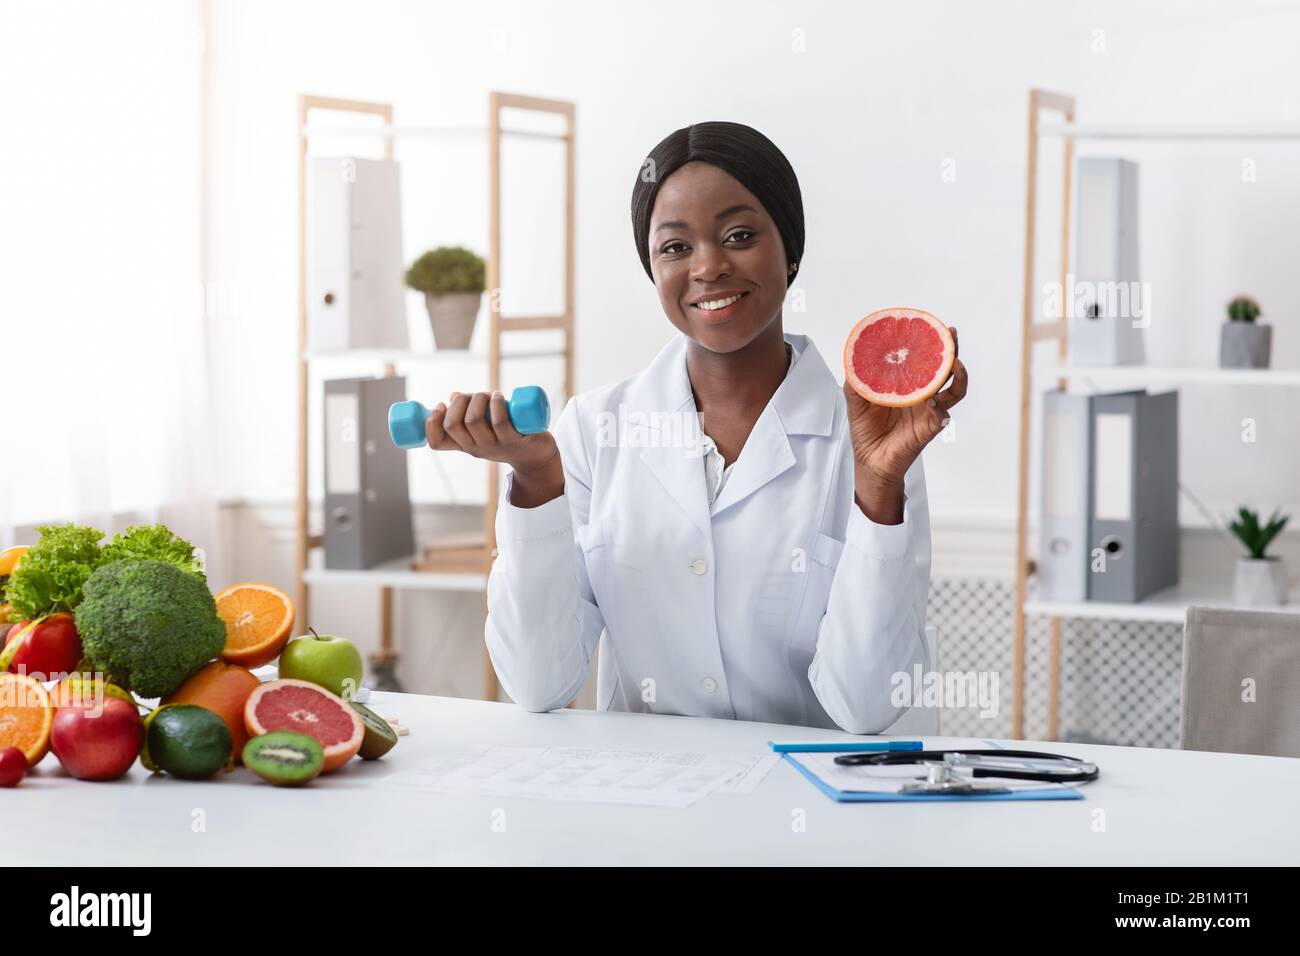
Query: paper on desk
x: 640, y: 777
x: 752, y: 771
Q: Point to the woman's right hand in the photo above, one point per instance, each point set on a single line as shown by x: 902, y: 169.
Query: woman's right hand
x: 462, y: 425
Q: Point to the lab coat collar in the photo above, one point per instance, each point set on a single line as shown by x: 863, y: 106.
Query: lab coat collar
x: 806, y: 399
x: 804, y: 403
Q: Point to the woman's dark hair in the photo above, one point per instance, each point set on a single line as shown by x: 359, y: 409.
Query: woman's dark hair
x: 743, y: 152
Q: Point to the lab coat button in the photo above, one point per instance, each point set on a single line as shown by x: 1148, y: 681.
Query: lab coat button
x: 709, y: 684
x: 698, y: 566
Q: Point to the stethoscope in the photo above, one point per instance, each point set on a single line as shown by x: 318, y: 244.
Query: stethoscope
x: 950, y: 771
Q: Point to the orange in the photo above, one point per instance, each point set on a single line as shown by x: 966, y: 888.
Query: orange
x: 223, y: 689
x: 25, y: 716
x: 9, y: 558
x: 259, y: 620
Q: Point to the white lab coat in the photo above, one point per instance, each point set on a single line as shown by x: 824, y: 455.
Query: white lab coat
x: 781, y: 603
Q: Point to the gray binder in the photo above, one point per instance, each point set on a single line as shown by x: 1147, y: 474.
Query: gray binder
x: 367, y: 498
x: 1133, y: 523
x: 1062, y: 563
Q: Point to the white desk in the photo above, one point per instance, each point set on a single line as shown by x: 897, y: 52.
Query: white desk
x: 1161, y: 807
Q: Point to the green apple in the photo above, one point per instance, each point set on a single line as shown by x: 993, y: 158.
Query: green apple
x: 330, y: 662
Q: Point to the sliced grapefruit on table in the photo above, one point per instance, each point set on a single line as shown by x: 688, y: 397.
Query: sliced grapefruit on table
x: 259, y: 622
x: 25, y: 716
x: 898, y: 357
x: 306, y: 708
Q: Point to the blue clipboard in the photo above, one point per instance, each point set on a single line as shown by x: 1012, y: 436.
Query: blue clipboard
x: 788, y: 751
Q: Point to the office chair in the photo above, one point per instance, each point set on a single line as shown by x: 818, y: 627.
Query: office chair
x: 1241, y: 682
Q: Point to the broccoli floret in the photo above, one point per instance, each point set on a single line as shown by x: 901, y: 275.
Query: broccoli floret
x: 148, y: 625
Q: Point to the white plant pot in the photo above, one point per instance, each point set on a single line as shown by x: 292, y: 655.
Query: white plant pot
x: 1259, y: 582
x: 452, y: 316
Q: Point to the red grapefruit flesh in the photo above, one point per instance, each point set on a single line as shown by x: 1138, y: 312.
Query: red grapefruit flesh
x: 898, y: 357
x: 307, y: 708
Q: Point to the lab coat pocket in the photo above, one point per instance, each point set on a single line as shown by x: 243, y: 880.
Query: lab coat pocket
x: 826, y: 552
x: 801, y: 639
x: 823, y: 559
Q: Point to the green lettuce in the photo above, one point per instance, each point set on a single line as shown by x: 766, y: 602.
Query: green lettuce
x: 154, y: 543
x: 50, y: 576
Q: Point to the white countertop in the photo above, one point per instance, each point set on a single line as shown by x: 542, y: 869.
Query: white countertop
x: 1160, y: 807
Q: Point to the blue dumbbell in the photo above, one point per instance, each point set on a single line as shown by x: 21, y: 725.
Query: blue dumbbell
x: 530, y: 413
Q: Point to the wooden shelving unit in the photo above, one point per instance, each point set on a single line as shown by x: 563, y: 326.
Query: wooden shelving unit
x: 459, y: 563
x: 1169, y: 605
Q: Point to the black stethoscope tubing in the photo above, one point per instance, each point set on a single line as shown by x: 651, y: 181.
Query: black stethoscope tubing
x: 1083, y: 773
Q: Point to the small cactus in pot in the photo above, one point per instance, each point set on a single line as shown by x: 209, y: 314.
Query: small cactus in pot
x: 1243, y: 309
x: 1243, y: 342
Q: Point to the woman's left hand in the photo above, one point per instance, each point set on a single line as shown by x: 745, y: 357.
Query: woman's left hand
x: 887, y: 440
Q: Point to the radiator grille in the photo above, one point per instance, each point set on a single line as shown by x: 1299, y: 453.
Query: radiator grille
x: 1120, y: 680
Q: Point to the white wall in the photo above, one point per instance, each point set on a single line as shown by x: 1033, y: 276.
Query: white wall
x: 101, y: 254
x: 868, y: 100
x: 882, y: 95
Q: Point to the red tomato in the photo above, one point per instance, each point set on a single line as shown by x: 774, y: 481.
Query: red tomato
x: 50, y: 646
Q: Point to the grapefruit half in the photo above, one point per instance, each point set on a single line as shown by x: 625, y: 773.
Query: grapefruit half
x: 898, y: 357
x: 306, y: 708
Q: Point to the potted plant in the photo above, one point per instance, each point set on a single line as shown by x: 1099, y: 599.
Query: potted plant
x: 451, y: 278
x: 1243, y: 343
x: 1260, y: 580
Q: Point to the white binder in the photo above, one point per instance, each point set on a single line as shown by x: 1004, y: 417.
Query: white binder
x: 356, y: 296
x: 1067, y: 454
x: 1108, y: 311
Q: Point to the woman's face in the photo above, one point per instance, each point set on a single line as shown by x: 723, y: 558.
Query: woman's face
x: 711, y: 240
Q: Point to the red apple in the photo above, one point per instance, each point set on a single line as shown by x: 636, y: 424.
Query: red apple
x: 97, y: 745
x: 13, y: 766
x: 48, y: 646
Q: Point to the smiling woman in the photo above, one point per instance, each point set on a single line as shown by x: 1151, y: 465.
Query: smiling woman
x: 699, y: 196
x: 782, y: 578
x: 717, y: 217
x: 748, y: 157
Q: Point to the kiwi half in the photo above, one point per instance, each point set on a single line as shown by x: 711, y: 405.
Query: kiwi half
x: 284, y: 758
x: 380, y: 737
